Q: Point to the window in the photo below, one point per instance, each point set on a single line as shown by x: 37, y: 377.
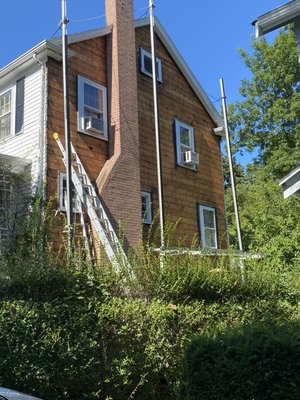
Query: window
x: 184, y: 142
x: 12, y: 110
x: 5, y: 114
x: 146, y: 207
x: 208, y: 227
x: 92, y: 108
x: 63, y: 194
x: 146, y: 65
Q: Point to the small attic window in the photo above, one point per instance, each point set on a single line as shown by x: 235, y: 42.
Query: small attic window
x: 146, y: 64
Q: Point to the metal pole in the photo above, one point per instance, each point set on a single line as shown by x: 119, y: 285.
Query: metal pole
x: 236, y: 211
x: 69, y: 207
x: 157, y: 133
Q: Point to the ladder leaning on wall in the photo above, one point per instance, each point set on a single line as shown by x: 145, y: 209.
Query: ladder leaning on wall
x: 95, y: 210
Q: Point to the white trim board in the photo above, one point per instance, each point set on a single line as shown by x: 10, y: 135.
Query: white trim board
x: 276, y: 18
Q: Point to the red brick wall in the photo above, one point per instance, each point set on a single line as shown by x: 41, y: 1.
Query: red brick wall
x: 119, y: 180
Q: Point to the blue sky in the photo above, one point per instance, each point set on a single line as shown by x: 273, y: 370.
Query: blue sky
x: 207, y: 33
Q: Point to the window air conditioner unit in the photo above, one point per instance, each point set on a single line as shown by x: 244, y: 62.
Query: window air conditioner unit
x: 94, y: 124
x: 191, y: 158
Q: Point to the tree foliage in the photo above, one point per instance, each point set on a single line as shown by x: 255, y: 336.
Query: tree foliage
x: 267, y: 121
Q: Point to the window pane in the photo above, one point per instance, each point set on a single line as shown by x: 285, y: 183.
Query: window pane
x: 185, y: 137
x: 209, y: 237
x: 5, y: 126
x: 75, y: 197
x: 148, y: 64
x: 208, y: 216
x: 92, y: 97
x: 5, y: 114
x: 146, y: 208
x: 5, y: 103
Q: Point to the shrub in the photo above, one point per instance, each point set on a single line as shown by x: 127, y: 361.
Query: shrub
x: 254, y: 362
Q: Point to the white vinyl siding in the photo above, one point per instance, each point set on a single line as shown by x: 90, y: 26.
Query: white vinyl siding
x: 208, y: 227
x: 146, y: 64
x: 92, y: 106
x: 26, y: 146
x: 184, y: 142
x: 146, y: 202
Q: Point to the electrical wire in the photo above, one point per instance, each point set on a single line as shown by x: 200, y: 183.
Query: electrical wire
x: 87, y: 19
x: 213, y: 97
x: 56, y: 32
x: 144, y: 14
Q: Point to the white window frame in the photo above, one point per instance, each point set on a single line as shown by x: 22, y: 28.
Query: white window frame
x: 62, y: 192
x: 143, y: 54
x: 180, y: 146
x: 81, y: 81
x: 147, y: 217
x: 11, y: 89
x: 203, y: 228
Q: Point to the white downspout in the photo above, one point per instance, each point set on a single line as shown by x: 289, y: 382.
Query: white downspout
x: 42, y: 160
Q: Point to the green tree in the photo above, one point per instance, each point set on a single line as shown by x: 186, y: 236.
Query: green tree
x: 267, y: 120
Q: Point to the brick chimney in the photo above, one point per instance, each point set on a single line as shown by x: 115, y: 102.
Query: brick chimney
x: 119, y: 180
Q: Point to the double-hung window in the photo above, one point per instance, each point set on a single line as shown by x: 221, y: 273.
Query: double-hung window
x: 146, y: 64
x: 184, y: 142
x: 63, y: 194
x: 92, y: 108
x: 146, y: 207
x: 12, y: 110
x: 5, y: 114
x: 208, y: 227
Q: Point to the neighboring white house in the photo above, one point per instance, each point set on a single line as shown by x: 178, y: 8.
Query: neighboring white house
x: 268, y: 22
x: 291, y: 183
x: 22, y: 127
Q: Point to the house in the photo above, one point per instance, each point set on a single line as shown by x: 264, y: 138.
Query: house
x: 268, y: 22
x: 291, y: 183
x: 112, y: 128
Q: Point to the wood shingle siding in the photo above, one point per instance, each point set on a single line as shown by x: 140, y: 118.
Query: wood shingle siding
x: 182, y: 187
x: 90, y: 62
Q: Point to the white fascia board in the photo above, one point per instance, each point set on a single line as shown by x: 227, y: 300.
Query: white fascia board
x: 277, y: 18
x: 290, y: 175
x: 41, y: 51
x: 186, y: 71
x: 293, y: 189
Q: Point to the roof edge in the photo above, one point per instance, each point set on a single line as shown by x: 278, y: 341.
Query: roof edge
x: 276, y: 18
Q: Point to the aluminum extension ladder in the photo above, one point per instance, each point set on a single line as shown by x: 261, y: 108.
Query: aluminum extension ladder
x: 94, y: 208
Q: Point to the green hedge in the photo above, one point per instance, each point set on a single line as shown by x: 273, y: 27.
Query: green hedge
x: 254, y: 362
x: 82, y: 334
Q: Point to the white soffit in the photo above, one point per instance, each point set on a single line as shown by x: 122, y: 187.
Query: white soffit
x: 277, y: 18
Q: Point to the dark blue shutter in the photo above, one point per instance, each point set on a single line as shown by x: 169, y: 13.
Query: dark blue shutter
x: 19, y: 106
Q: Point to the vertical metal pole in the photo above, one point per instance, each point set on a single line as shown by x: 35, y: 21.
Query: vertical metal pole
x: 157, y: 135
x: 238, y: 227
x: 69, y: 208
